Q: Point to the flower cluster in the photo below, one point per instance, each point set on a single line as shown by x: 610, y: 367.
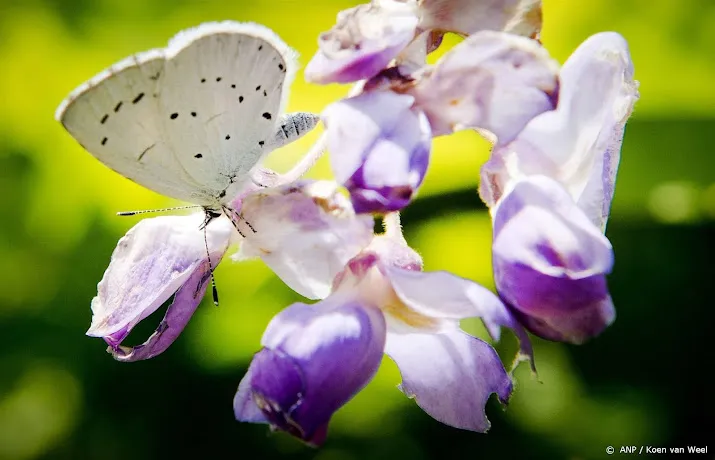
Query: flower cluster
x: 549, y: 182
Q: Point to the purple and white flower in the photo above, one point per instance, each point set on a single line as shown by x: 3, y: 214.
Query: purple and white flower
x: 315, y: 358
x: 380, y: 140
x: 368, y: 37
x: 305, y: 232
x: 550, y: 191
x: 157, y: 258
x: 380, y: 146
x: 170, y: 255
x: 363, y: 42
x: 550, y: 262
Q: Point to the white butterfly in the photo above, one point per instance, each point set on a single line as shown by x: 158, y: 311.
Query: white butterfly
x: 193, y: 120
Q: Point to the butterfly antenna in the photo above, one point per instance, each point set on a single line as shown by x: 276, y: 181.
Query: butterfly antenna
x: 214, y: 290
x: 132, y: 213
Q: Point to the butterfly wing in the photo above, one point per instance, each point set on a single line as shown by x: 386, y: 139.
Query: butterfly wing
x: 191, y: 120
x: 115, y: 117
x: 231, y: 78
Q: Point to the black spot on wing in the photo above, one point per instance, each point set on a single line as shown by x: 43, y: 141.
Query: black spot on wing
x: 203, y: 80
x: 198, y: 155
x: 260, y: 47
x: 193, y: 114
x: 104, y: 118
x: 218, y: 78
x: 233, y: 86
x: 280, y: 66
x: 264, y: 93
x: 266, y: 115
x: 118, y: 106
x: 240, y: 98
x: 228, y: 136
x: 173, y: 116
x: 138, y: 98
x: 261, y: 143
x: 104, y: 141
x: 258, y: 88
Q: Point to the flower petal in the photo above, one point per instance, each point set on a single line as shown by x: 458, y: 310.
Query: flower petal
x: 444, y: 295
x: 550, y: 262
x: 521, y: 17
x: 379, y: 149
x: 177, y: 316
x: 492, y: 80
x: 451, y: 375
x: 579, y: 143
x: 364, y: 40
x: 151, y: 262
x: 316, y: 358
x: 305, y: 232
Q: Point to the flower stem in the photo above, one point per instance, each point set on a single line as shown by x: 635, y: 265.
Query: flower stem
x: 308, y: 161
x: 393, y: 227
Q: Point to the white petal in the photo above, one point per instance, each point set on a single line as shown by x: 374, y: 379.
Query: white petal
x: 579, y: 143
x: 306, y: 233
x: 451, y: 375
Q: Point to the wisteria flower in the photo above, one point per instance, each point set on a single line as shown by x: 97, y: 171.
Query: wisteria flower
x: 370, y: 36
x: 157, y: 258
x: 317, y: 357
x: 364, y: 40
x: 381, y: 149
x: 579, y: 143
x: 495, y: 81
x: 550, y: 262
x: 305, y: 232
x: 550, y: 192
x: 380, y: 140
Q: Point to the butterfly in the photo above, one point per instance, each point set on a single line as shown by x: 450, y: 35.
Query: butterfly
x: 193, y: 120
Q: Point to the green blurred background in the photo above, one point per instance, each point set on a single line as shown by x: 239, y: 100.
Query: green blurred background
x: 643, y: 382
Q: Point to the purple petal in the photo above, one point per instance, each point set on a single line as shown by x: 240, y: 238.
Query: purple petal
x: 306, y: 232
x: 152, y: 261
x: 444, y: 295
x: 244, y: 406
x: 364, y: 40
x: 550, y: 262
x: 579, y: 143
x: 451, y: 375
x: 316, y: 358
x: 379, y: 149
x: 492, y: 80
x: 521, y: 17
x: 177, y: 316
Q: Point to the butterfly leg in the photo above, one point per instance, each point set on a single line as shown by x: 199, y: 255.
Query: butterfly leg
x: 233, y: 215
